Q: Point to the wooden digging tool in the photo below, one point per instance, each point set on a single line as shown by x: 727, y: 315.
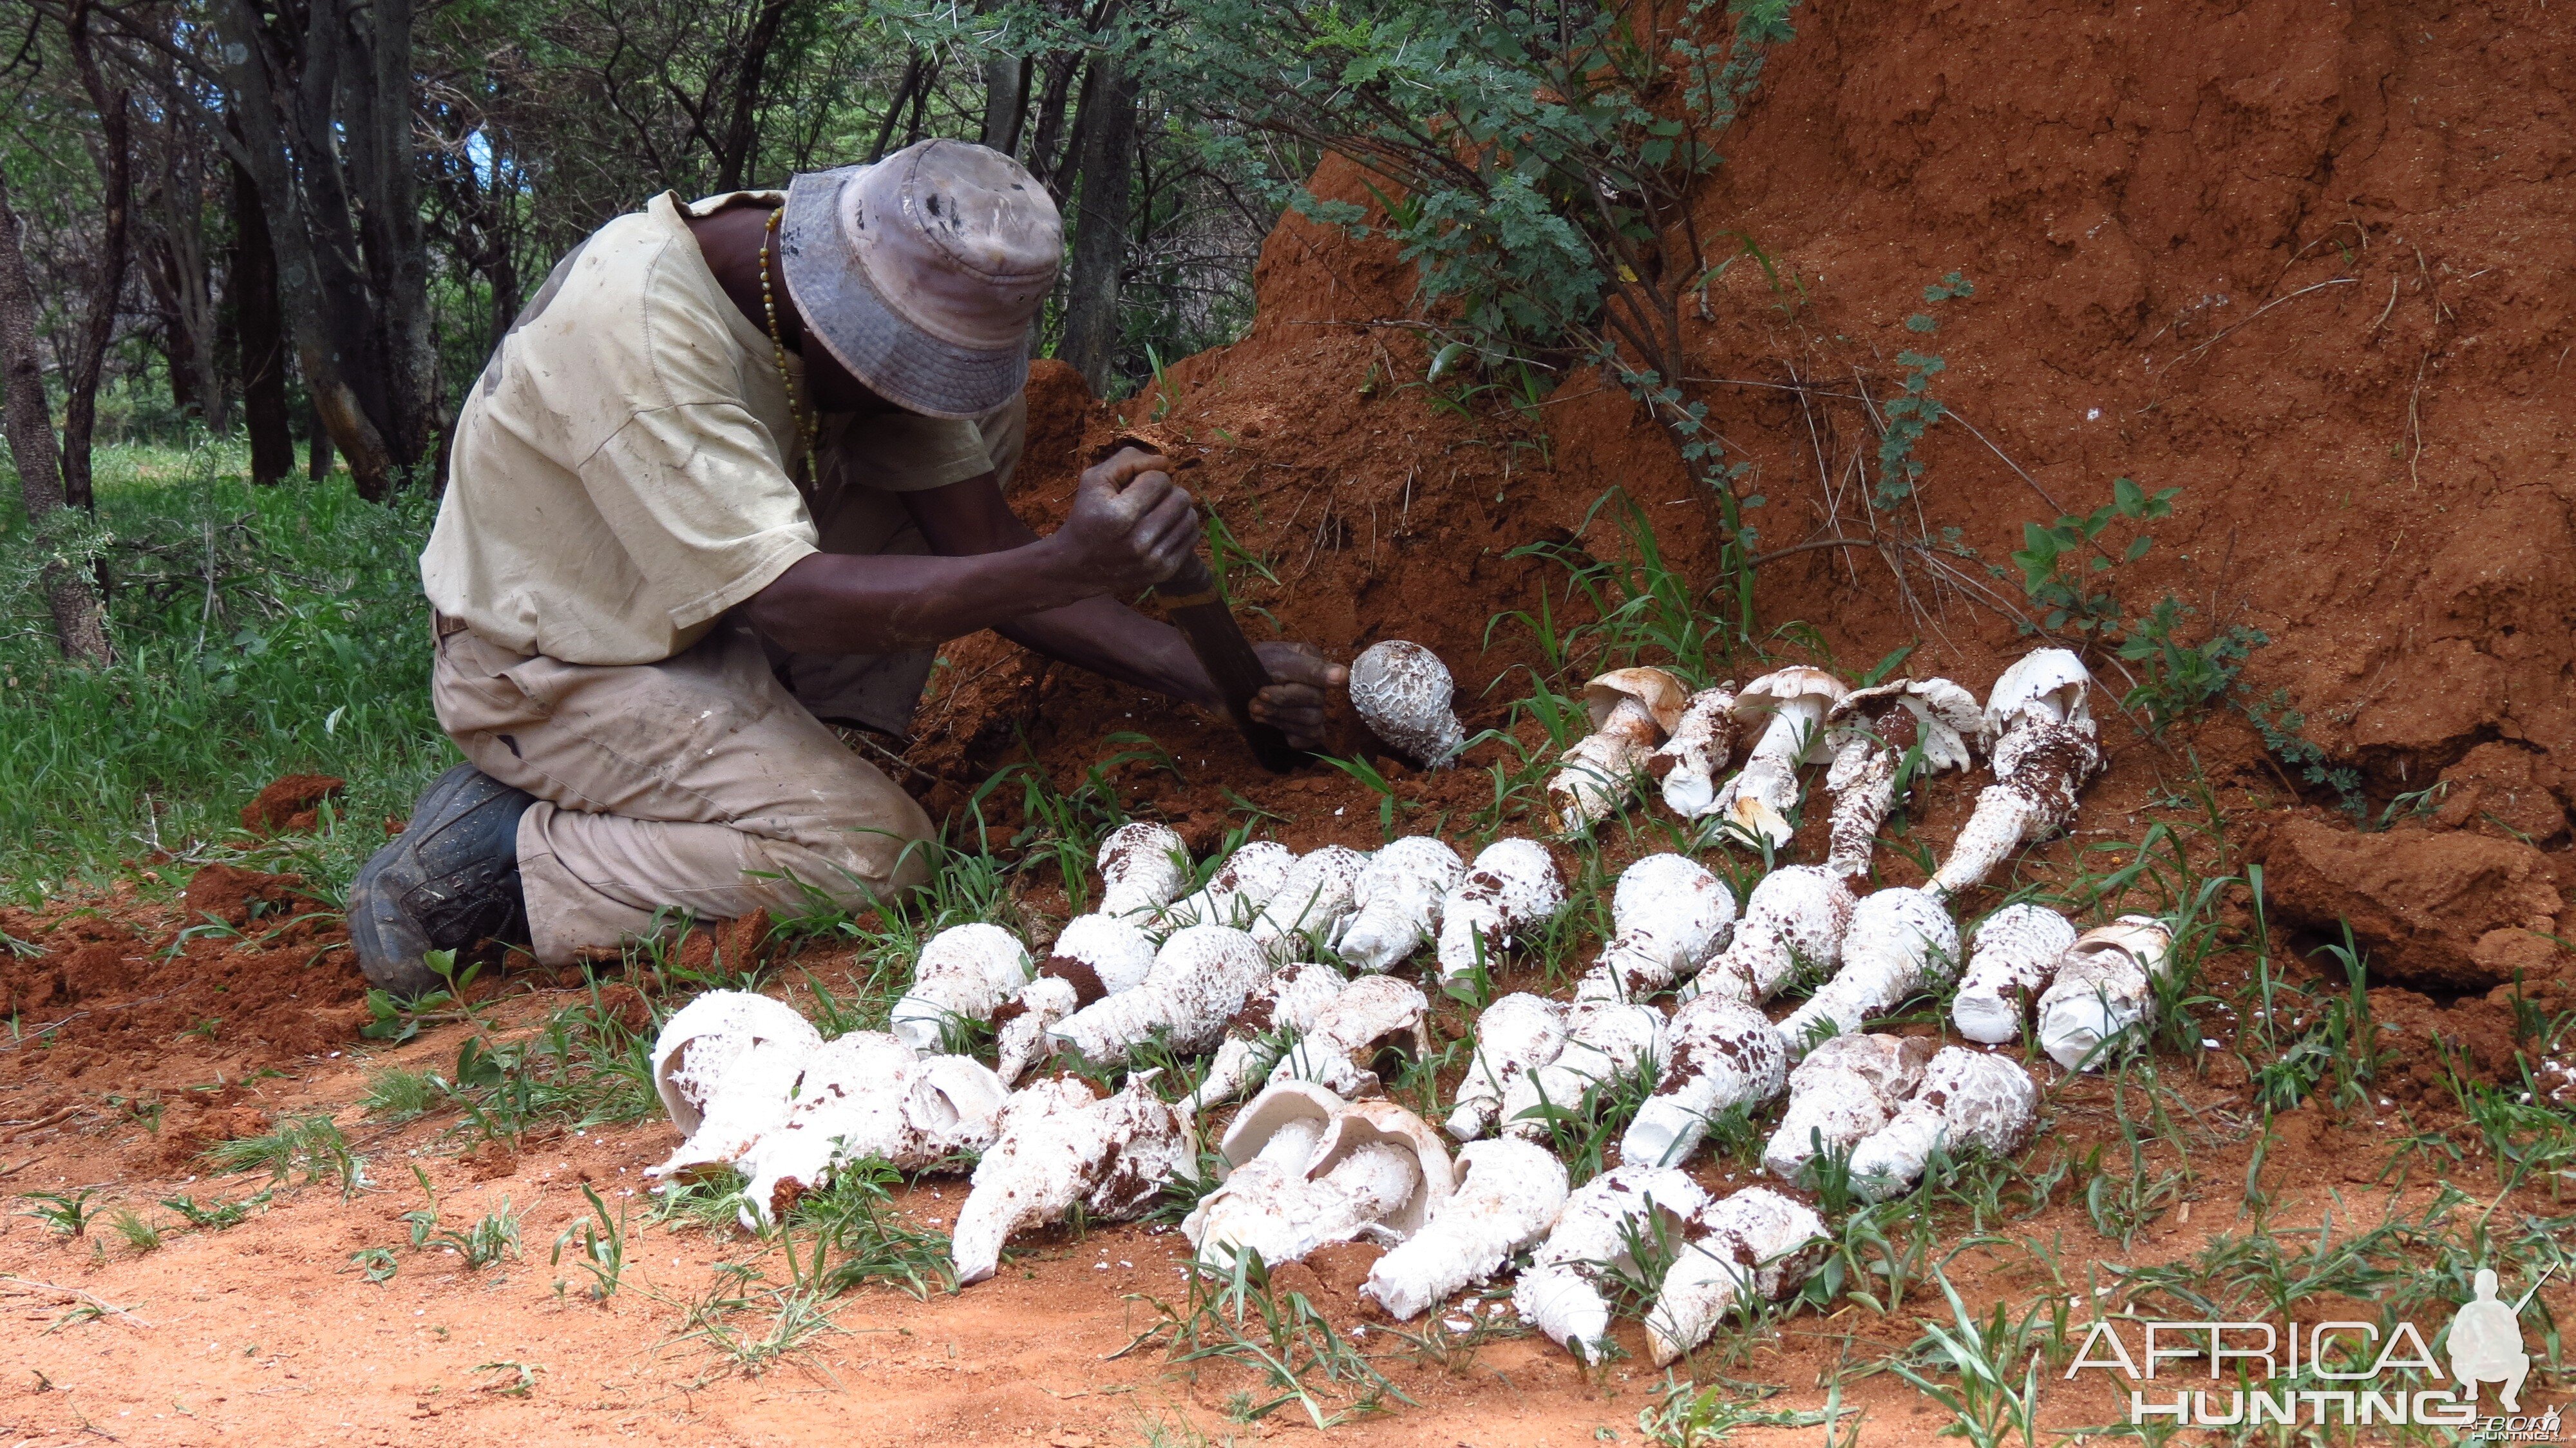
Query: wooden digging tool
x: 1196, y: 606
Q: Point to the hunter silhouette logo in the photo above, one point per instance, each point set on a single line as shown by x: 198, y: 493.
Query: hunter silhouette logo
x: 2486, y: 1341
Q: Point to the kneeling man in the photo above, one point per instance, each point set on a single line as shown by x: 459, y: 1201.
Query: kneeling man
x: 737, y: 469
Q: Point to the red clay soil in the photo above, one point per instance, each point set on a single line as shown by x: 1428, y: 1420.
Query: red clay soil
x: 2310, y: 266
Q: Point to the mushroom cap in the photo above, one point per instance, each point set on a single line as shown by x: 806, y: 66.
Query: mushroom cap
x: 2146, y: 939
x: 1363, y: 1122
x: 1661, y: 693
x: 1402, y: 691
x: 987, y: 955
x: 1767, y: 694
x: 2050, y: 685
x: 1139, y: 840
x: 743, y: 1019
x: 1668, y: 886
x: 1117, y: 953
x: 1949, y: 714
x: 1282, y: 1103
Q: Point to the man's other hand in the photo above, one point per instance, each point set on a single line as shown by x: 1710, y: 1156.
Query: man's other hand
x: 1131, y: 525
x: 1302, y: 682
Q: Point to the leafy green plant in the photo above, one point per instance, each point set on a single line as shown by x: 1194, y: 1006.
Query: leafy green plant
x: 2280, y: 724
x: 2063, y: 563
x: 312, y: 1145
x: 492, y: 1236
x: 855, y: 1221
x: 599, y: 1246
x: 65, y: 1213
x: 139, y: 1234
x: 2175, y: 678
x: 1911, y: 414
x: 217, y: 1214
x: 1232, y: 1313
x: 1994, y: 1394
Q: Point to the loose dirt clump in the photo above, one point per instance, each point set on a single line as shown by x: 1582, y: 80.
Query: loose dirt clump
x: 291, y: 805
x: 2438, y: 910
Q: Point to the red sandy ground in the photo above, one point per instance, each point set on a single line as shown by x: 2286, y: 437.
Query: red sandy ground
x: 2310, y: 266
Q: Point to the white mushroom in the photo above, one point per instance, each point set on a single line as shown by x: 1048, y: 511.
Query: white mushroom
x: 1507, y: 1197
x: 2044, y: 751
x: 1094, y: 956
x: 1511, y: 887
x: 1596, y: 1233
x: 2010, y: 960
x: 864, y: 1095
x: 1631, y: 711
x: 1200, y: 978
x: 1847, y: 1088
x: 964, y: 974
x: 1142, y: 867
x: 1871, y: 731
x: 1375, y: 1169
x: 2105, y: 988
x: 1756, y: 1244
x: 1718, y: 1054
x: 1515, y: 1035
x: 1667, y: 917
x: 1968, y: 1101
x: 1703, y: 741
x: 1795, y: 916
x: 1603, y: 1041
x: 1059, y: 1144
x: 1312, y: 903
x: 1335, y: 1051
x: 1396, y: 902
x: 1238, y: 889
x: 1401, y: 691
x: 725, y: 1066
x: 1900, y: 942
x: 1790, y: 703
x: 1286, y: 1004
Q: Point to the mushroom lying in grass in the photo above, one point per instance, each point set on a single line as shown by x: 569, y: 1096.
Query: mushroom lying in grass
x: 1596, y: 1235
x: 1847, y: 1088
x: 1794, y: 918
x: 1968, y: 1101
x: 964, y: 974
x: 1900, y: 942
x: 725, y: 1066
x: 1401, y: 691
x: 1871, y: 731
x: 1507, y: 1197
x: 1756, y: 1245
x: 1516, y: 1035
x: 1511, y: 887
x: 1142, y: 868
x: 1094, y: 956
x: 1200, y: 978
x: 1234, y: 895
x: 1703, y: 741
x: 1372, y: 1012
x: 2010, y: 959
x: 1286, y: 1004
x: 1311, y: 903
x: 1719, y: 1054
x: 2105, y: 988
x: 1604, y: 1040
x: 867, y: 1094
x: 1060, y: 1145
x: 1396, y: 902
x: 1369, y: 1168
x: 2044, y: 750
x: 1758, y: 799
x: 1667, y: 916
x: 1631, y: 711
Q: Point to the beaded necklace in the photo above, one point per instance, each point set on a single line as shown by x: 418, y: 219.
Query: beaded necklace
x: 804, y: 419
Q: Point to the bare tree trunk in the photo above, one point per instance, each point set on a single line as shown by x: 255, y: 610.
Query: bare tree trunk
x: 80, y: 621
x: 1100, y: 223
x: 1006, y: 101
x: 734, y: 150
x: 263, y: 340
x: 115, y: 155
x: 317, y: 445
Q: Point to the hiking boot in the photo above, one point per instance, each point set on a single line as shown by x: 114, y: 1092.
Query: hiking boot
x: 451, y: 879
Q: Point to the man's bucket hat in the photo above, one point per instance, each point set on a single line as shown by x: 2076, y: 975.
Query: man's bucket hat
x: 921, y: 273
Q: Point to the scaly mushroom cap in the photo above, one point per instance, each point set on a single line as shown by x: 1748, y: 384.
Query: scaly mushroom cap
x: 2046, y: 686
x: 1662, y: 695
x: 1363, y: 1123
x: 1110, y: 949
x: 1756, y: 1243
x: 965, y: 973
x: 1143, y: 865
x: 1795, y: 915
x: 1675, y: 899
x: 1968, y: 1101
x: 1944, y: 717
x: 1238, y: 889
x: 1781, y: 689
x: 1515, y: 1035
x: 2011, y: 958
x: 1401, y: 691
x: 1847, y: 1088
x: 1561, y: 1294
x: 1396, y: 902
x: 1512, y: 886
x: 728, y: 1040
x: 1348, y: 1030
x: 1314, y: 900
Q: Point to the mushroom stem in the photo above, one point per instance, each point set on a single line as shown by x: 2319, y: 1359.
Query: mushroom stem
x: 1756, y: 1243
x: 1603, y: 1040
x: 1509, y: 1197
x: 1059, y: 1145
x: 1900, y: 941
x: 1719, y: 1054
x: 1234, y: 895
x: 2010, y: 961
x: 1669, y: 914
x: 1701, y: 744
x: 1512, y: 886
x: 1847, y: 1088
x: 1758, y: 799
x: 1287, y: 1003
x: 2044, y: 752
x: 1795, y: 917
x: 2104, y: 990
x: 1596, y: 772
x: 1968, y: 1101
x: 1517, y: 1034
x: 1863, y: 795
x: 1396, y: 902
x: 1200, y: 978
x: 1561, y: 1294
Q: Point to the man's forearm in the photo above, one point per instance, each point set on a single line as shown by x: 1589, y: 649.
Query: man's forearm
x: 833, y: 603
x: 1109, y: 638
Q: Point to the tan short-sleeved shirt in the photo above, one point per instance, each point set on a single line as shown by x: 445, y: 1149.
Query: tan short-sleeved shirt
x: 622, y: 470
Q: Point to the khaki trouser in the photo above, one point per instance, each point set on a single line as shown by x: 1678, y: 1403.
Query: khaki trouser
x: 702, y: 782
